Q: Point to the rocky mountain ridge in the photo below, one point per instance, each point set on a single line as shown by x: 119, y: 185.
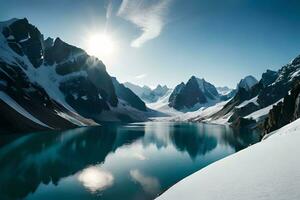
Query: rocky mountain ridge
x: 254, y: 104
x: 49, y: 84
x: 147, y: 94
x: 193, y: 94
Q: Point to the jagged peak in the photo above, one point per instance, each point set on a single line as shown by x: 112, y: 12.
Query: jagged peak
x: 13, y: 20
x: 182, y: 84
x: 58, y: 41
x: 159, y: 86
x: 49, y: 38
x: 49, y: 42
x: 296, y: 61
x: 247, y: 83
x: 197, y: 79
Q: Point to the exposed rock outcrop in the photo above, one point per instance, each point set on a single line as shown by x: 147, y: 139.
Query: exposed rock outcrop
x: 195, y: 92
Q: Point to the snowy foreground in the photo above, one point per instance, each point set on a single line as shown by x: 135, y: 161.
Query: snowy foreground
x: 269, y: 170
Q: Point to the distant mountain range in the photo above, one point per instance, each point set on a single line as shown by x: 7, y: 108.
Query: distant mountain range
x: 49, y: 84
x: 147, y: 94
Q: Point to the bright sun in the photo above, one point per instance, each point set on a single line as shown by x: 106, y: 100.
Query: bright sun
x: 100, y: 45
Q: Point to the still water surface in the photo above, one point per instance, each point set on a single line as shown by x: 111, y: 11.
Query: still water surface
x: 135, y: 161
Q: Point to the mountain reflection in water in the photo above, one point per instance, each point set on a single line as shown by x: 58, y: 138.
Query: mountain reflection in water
x: 135, y: 161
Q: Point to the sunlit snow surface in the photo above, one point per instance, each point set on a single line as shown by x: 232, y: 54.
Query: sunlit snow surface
x: 269, y: 170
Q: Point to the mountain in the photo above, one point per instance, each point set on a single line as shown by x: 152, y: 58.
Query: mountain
x: 268, y: 77
x: 193, y: 94
x: 224, y: 90
x: 160, y: 91
x: 245, y: 90
x: 254, y: 103
x: 226, y: 93
x: 247, y: 83
x: 146, y: 93
x: 138, y: 90
x: 49, y: 84
x: 284, y: 112
x: 127, y: 95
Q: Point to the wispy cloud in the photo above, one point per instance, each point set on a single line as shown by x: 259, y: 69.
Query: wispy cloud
x: 148, y: 15
x: 141, y: 76
x: 109, y: 9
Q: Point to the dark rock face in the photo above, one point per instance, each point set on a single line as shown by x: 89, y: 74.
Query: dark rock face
x: 195, y: 91
x: 127, y: 95
x: 27, y: 40
x: 280, y: 87
x: 241, y: 95
x: 71, y: 59
x: 268, y: 77
x: 284, y: 112
x: 246, y: 90
x: 243, y: 111
x: 241, y: 122
x: 31, y: 97
x: 175, y: 94
x: 296, y: 61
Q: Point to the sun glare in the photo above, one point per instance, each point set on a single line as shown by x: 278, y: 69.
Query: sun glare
x: 100, y: 45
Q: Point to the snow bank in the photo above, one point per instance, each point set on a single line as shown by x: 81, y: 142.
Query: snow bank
x: 269, y: 170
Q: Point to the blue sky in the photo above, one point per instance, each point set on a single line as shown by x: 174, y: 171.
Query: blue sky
x: 167, y: 41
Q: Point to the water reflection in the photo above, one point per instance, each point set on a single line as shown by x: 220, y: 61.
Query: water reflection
x: 149, y: 184
x: 131, y: 162
x: 96, y: 179
x: 48, y: 157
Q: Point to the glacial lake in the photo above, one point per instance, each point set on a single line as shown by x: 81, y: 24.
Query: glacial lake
x: 133, y: 161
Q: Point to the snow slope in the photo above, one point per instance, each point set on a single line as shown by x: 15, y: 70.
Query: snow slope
x: 12, y: 103
x: 253, y: 100
x: 162, y: 105
x: 269, y: 170
x: 262, y: 113
x: 203, y: 114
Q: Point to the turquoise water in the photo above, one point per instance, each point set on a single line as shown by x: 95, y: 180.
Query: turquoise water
x: 134, y: 161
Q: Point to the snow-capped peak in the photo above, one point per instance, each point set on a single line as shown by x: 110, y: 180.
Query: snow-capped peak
x: 247, y: 83
x: 146, y: 93
x: 224, y: 90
